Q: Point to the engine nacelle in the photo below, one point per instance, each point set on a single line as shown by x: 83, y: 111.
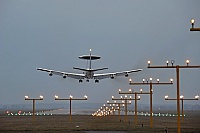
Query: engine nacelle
x: 80, y: 81
x: 112, y: 77
x: 64, y: 76
x: 96, y: 81
x: 126, y: 75
x: 50, y: 74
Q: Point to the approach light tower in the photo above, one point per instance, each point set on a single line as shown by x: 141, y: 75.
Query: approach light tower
x: 151, y: 92
x: 34, y: 99
x: 182, y: 99
x: 177, y: 67
x: 70, y: 102
x: 136, y: 98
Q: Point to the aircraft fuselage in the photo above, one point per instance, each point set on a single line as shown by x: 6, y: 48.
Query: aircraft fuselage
x: 89, y: 74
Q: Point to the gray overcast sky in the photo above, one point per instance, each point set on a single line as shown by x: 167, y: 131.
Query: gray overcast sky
x: 53, y: 33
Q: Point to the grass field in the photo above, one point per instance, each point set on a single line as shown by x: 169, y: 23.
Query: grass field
x: 82, y: 123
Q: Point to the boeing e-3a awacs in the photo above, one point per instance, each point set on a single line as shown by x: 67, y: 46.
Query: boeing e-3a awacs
x: 88, y: 73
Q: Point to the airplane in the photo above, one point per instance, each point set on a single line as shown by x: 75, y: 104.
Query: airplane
x: 89, y: 73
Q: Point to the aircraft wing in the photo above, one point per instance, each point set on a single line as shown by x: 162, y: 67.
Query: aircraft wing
x: 63, y: 74
x: 112, y: 75
x: 103, y: 76
x: 127, y: 72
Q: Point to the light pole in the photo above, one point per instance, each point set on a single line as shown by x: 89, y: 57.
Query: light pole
x: 177, y: 67
x: 33, y: 99
x: 150, y: 83
x: 70, y: 102
x: 125, y: 98
x: 182, y: 99
x: 192, y: 21
x: 135, y: 93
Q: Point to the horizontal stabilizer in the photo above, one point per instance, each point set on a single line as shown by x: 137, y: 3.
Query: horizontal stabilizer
x: 82, y: 69
x: 98, y: 69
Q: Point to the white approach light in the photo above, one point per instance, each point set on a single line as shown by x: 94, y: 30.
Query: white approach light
x: 197, y: 97
x: 138, y: 97
x: 149, y: 62
x: 192, y: 21
x: 167, y: 62
x: 187, y: 62
x: 56, y: 97
x: 41, y: 97
x: 70, y: 96
x: 181, y: 97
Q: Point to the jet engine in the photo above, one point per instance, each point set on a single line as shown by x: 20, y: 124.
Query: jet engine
x: 96, y: 81
x: 126, y: 75
x: 80, y: 81
x: 50, y: 74
x: 64, y: 76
